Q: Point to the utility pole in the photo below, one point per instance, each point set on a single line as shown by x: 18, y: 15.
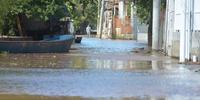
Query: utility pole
x: 101, y: 18
x: 133, y: 20
x: 156, y: 18
x: 98, y: 17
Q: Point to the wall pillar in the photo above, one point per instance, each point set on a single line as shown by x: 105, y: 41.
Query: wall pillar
x: 156, y: 17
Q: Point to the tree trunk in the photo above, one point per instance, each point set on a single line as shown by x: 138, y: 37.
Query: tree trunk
x: 98, y: 17
x: 150, y: 32
x: 19, y: 26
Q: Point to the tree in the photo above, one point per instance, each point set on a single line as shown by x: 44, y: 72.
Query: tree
x: 40, y: 9
x: 144, y: 12
x: 83, y: 12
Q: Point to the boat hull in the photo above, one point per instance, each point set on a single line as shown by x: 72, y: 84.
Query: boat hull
x: 59, y: 46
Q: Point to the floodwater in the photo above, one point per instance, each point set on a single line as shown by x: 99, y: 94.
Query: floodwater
x: 97, y: 70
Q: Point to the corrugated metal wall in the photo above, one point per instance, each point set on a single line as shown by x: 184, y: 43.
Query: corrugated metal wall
x: 196, y: 29
x: 182, y: 17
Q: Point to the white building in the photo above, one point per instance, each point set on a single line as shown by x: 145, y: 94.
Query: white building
x: 182, y: 29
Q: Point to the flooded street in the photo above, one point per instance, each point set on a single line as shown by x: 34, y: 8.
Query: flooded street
x: 97, y: 70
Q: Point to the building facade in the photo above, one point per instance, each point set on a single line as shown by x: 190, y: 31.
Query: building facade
x: 115, y: 21
x: 182, y: 29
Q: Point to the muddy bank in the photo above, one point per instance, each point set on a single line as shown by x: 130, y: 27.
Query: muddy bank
x: 29, y: 97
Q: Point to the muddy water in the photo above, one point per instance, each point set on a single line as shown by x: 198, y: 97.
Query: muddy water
x: 96, y: 70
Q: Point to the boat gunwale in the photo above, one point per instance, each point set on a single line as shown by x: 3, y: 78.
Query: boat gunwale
x: 41, y: 41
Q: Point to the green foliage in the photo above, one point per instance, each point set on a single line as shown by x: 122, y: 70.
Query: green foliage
x: 42, y: 9
x: 39, y: 9
x: 4, y: 9
x: 81, y: 11
x: 144, y: 10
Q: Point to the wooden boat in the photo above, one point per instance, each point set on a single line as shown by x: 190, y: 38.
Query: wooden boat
x: 50, y: 44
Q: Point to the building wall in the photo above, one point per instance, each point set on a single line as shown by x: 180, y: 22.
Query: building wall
x: 170, y: 45
x: 121, y: 22
x: 196, y: 29
x: 182, y: 19
x: 122, y: 27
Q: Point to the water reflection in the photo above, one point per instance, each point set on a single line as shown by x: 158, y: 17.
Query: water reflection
x: 30, y: 60
x: 114, y: 72
x: 80, y: 62
x: 122, y: 65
